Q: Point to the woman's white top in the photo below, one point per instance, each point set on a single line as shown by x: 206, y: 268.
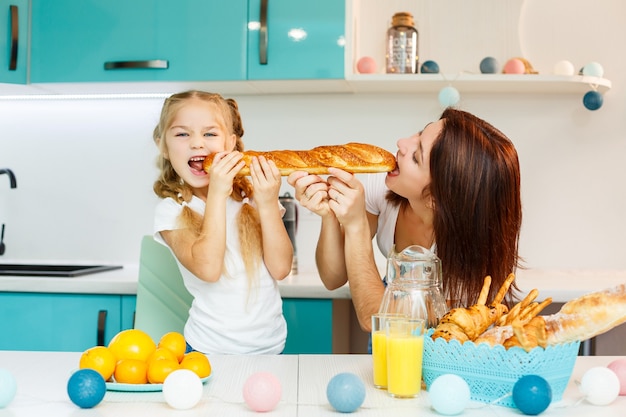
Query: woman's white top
x: 226, y: 316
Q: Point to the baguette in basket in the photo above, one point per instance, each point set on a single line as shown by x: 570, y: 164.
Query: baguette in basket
x: 352, y: 157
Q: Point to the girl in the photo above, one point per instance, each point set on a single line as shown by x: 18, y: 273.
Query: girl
x: 456, y: 189
x: 221, y: 227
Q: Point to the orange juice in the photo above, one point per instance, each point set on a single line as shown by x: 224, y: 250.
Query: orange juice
x: 404, y: 365
x: 379, y: 358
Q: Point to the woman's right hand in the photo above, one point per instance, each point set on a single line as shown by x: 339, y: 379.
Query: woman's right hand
x: 311, y: 192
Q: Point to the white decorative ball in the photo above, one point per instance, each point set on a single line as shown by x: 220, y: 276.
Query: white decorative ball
x: 564, y: 68
x: 182, y: 389
x: 449, y: 394
x: 600, y: 385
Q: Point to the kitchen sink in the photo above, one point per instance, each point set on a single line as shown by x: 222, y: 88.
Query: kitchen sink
x: 41, y: 270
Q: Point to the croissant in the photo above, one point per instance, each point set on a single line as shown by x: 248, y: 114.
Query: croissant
x: 352, y: 157
x: 464, y: 324
x: 529, y: 335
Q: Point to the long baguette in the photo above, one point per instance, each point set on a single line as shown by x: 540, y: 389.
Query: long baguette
x: 352, y: 157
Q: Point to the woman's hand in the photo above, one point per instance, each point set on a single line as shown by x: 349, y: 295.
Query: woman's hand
x: 311, y: 192
x: 266, y: 181
x: 346, y: 197
x: 225, y: 167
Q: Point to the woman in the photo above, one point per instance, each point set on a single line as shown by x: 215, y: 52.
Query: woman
x: 456, y: 189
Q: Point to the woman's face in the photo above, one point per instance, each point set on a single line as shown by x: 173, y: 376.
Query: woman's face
x: 195, y: 132
x: 412, y: 174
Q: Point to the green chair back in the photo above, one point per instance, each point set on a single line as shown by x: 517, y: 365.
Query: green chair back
x: 162, y: 300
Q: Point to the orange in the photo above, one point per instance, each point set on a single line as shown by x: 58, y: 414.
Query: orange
x: 100, y: 359
x: 175, y: 342
x: 132, y: 344
x: 159, y: 369
x: 162, y: 353
x: 131, y: 371
x: 197, y: 363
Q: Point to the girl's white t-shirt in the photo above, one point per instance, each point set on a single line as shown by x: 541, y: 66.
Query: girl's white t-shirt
x: 226, y: 316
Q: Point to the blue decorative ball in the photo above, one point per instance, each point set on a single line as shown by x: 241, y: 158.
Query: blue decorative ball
x: 449, y: 96
x: 489, y: 65
x: 429, y: 67
x: 593, y: 100
x: 86, y: 388
x: 532, y: 394
x: 8, y: 387
x: 345, y: 392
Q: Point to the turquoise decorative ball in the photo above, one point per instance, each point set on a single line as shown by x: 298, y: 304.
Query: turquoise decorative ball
x: 86, y: 388
x: 429, y: 67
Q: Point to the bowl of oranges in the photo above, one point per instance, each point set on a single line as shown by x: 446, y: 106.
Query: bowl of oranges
x: 133, y: 361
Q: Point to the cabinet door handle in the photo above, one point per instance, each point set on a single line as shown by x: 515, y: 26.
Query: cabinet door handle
x: 263, y: 41
x: 102, y: 324
x: 150, y: 64
x: 15, y: 37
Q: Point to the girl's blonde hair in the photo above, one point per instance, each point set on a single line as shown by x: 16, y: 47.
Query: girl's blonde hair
x: 169, y: 183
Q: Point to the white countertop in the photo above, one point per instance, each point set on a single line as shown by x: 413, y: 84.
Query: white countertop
x: 42, y: 379
x: 561, y: 285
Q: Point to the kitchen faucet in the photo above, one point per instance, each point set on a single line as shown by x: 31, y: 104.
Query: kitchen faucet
x: 11, y: 176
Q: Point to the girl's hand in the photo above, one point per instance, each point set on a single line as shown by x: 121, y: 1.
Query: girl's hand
x: 266, y: 181
x: 311, y: 192
x: 225, y: 167
x: 346, y: 197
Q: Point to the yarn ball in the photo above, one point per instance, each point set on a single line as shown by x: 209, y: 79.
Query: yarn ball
x: 366, y: 65
x: 514, y: 66
x: 8, y: 387
x: 86, y: 388
x: 262, y: 391
x: 345, y: 392
x: 618, y: 366
x: 563, y: 68
x: 593, y: 100
x: 600, y: 385
x: 182, y: 389
x: 532, y: 394
x: 429, y: 67
x: 489, y: 65
x: 449, y: 96
x: 449, y: 394
x: 593, y: 69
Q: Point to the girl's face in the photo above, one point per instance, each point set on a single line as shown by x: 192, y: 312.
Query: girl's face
x: 412, y: 174
x: 195, y: 132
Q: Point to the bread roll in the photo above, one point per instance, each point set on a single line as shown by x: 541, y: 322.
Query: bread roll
x: 352, y: 157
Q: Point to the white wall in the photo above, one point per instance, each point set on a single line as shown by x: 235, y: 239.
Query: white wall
x: 85, y: 168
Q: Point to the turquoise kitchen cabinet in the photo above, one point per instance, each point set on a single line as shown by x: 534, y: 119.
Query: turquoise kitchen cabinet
x: 296, y: 39
x: 141, y: 40
x: 14, y: 33
x: 309, y: 325
x: 62, y: 322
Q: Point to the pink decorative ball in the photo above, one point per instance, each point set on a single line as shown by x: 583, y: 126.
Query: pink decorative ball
x: 366, y: 65
x: 619, y: 367
x: 262, y: 391
x: 514, y: 66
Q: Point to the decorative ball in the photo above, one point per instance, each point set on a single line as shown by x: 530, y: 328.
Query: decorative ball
x: 182, y: 389
x: 429, y: 67
x: 449, y: 394
x: 345, y: 392
x: 593, y: 69
x: 86, y: 388
x: 262, y: 391
x: 8, y: 387
x: 489, y: 65
x: 563, y: 68
x: 514, y: 66
x: 593, y: 100
x: 366, y: 65
x: 532, y: 394
x: 600, y: 385
x: 618, y: 366
x: 449, y: 96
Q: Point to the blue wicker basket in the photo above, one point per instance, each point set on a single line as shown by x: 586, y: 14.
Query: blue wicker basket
x: 491, y: 372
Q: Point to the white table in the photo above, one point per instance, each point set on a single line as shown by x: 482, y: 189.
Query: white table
x: 42, y: 378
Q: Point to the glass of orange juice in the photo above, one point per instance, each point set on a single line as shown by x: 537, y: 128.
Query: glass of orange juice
x: 379, y: 350
x: 405, y: 347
